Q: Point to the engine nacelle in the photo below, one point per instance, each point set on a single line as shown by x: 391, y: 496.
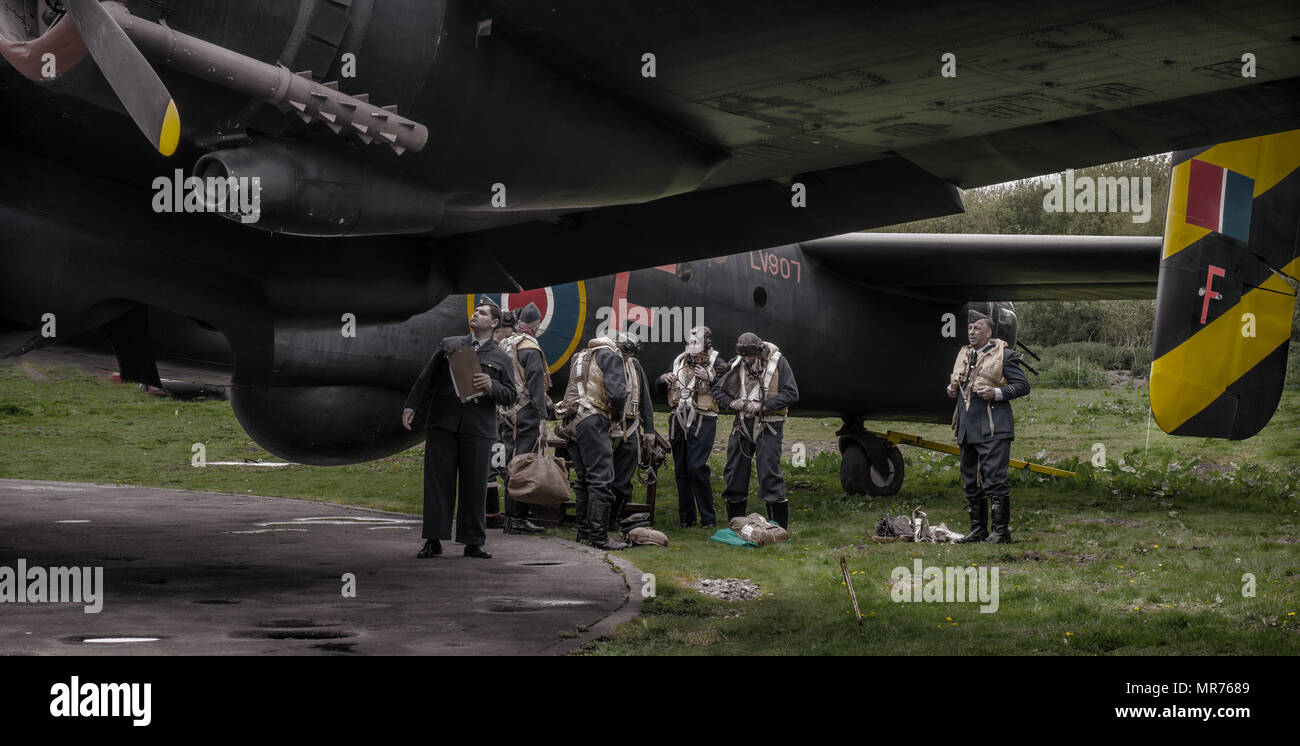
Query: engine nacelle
x: 310, y: 191
x: 325, y: 425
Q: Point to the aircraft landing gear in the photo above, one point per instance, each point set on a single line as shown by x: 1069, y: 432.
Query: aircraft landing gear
x: 869, y: 465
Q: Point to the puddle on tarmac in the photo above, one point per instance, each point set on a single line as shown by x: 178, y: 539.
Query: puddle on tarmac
x: 295, y: 622
x: 293, y: 634
x: 98, y: 640
x: 506, y: 604
x: 337, y: 647
x: 341, y: 520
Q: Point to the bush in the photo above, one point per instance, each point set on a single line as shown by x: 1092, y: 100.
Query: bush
x: 1119, y: 323
x: 1054, y: 322
x: 1059, y: 373
x: 1101, y: 355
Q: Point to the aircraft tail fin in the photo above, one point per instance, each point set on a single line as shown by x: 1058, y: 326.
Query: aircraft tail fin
x: 1227, y: 287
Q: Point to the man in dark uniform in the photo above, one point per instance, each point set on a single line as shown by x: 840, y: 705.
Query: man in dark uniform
x: 638, y: 425
x: 693, y: 425
x: 759, y: 386
x: 522, y: 422
x: 985, y: 378
x: 459, y: 436
x: 595, y: 394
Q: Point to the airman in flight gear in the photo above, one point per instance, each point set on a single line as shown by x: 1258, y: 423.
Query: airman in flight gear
x: 759, y: 386
x: 637, y: 427
x: 985, y: 378
x: 693, y: 425
x: 522, y: 423
x: 595, y: 395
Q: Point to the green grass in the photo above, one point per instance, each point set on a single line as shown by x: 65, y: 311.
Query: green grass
x: 1144, y: 557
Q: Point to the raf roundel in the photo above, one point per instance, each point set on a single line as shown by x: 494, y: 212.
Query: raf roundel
x: 564, y: 309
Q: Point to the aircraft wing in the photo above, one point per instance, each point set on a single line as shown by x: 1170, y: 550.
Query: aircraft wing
x: 977, y: 267
x: 854, y: 101
x: 789, y: 88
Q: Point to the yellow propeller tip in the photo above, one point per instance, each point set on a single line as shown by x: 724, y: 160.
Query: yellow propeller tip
x: 170, y: 135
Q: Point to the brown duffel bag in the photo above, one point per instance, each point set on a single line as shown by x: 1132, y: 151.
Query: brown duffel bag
x: 538, y: 479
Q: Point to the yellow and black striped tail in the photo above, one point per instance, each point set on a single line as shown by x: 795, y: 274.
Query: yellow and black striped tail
x: 1227, y: 287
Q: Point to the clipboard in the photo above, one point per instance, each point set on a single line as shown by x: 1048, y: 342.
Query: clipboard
x: 464, y: 366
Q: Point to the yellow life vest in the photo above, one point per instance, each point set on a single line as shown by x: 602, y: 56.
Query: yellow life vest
x: 511, y: 346
x: 584, y: 395
x: 762, y: 388
x: 686, y: 383
x: 986, y: 371
x: 632, y: 404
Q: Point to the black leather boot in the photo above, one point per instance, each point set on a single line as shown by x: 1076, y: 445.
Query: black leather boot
x: 1001, y: 510
x: 616, y: 514
x: 979, y: 521
x: 780, y: 512
x: 598, y: 521
x: 580, y: 506
x: 523, y: 526
x: 517, y: 518
x: 738, y: 509
x: 431, y: 548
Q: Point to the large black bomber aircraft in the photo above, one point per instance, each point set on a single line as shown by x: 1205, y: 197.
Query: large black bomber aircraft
x: 412, y: 154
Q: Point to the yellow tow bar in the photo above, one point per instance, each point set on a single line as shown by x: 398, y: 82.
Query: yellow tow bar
x: 919, y: 442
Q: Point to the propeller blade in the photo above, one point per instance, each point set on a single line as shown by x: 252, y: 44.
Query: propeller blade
x: 134, y: 81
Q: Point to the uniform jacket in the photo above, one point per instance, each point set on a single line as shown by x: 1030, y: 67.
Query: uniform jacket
x: 726, y: 388
x: 434, y: 387
x: 981, y: 421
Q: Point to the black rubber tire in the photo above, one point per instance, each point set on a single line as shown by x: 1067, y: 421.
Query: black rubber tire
x: 855, y: 470
x: 879, y: 485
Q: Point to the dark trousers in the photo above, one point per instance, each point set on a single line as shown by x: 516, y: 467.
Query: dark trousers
x: 984, y: 469
x: 593, y: 462
x: 625, y: 458
x: 526, y: 443
x: 741, y: 453
x: 691, y: 468
x: 447, y: 456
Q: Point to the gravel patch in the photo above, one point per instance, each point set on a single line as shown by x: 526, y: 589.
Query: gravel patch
x: 728, y: 589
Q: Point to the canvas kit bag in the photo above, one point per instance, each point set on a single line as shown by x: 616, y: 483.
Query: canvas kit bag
x: 757, y: 529
x: 538, y: 479
x: 647, y: 535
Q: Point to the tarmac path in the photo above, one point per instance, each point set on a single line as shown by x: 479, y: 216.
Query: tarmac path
x: 200, y: 573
